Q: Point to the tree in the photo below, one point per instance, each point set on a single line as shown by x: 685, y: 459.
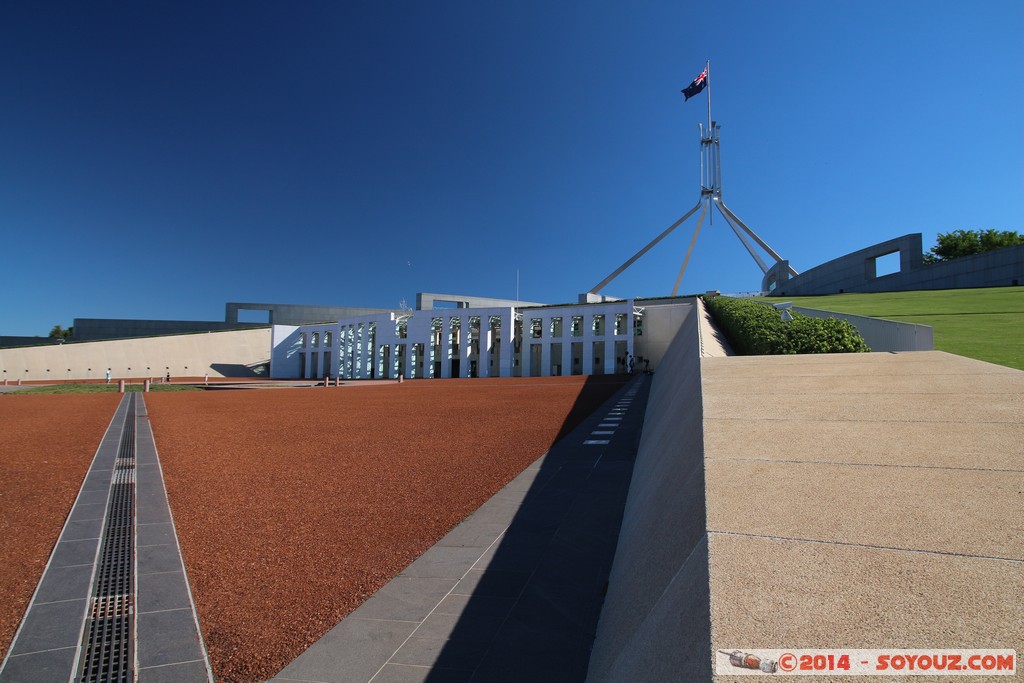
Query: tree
x: 960, y: 243
x: 59, y: 332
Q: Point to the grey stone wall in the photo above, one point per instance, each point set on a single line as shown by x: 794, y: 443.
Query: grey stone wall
x: 97, y: 329
x: 655, y: 624
x: 855, y: 272
x: 220, y: 354
x: 10, y: 341
x: 297, y: 314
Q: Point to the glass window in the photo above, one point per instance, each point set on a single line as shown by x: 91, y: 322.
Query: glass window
x: 556, y: 328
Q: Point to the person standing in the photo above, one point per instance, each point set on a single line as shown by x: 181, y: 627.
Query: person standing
x: 108, y: 375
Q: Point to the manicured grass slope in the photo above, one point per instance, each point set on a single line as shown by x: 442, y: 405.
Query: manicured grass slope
x: 986, y: 324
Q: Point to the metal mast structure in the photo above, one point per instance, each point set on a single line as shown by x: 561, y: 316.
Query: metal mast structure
x: 710, y: 199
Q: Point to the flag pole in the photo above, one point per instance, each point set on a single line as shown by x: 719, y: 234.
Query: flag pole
x: 708, y: 68
x: 711, y: 136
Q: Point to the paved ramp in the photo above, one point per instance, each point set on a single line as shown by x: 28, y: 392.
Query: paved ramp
x: 865, y: 501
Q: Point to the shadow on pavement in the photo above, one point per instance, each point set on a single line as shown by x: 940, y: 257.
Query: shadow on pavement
x: 528, y: 608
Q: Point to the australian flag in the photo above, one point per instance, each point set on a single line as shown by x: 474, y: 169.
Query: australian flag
x: 698, y: 84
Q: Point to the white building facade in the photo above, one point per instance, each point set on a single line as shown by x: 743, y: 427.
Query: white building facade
x: 489, y: 341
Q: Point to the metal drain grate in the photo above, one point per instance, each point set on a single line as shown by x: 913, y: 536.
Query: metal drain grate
x: 108, y: 650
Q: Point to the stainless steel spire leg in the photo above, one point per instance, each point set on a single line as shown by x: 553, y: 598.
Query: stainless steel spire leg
x: 643, y: 251
x: 689, y: 251
x: 746, y: 243
x: 729, y: 214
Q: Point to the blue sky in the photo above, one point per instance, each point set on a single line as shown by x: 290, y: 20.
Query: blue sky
x: 160, y: 159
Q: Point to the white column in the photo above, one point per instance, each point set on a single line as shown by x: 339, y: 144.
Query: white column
x: 359, y: 347
x: 446, y: 330
x: 628, y: 335
x: 367, y: 351
x: 486, y: 344
x: 545, y: 346
x: 357, y: 352
x: 348, y: 351
x: 508, y: 323
x: 588, y: 345
x: 464, y: 346
x: 335, y: 345
x: 353, y: 358
x: 431, y: 357
x: 342, y: 347
x: 567, y: 340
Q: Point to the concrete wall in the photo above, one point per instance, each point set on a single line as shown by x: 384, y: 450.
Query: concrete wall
x: 856, y: 272
x: 95, y: 329
x: 661, y: 326
x: 285, y: 347
x: 221, y: 354
x: 6, y: 341
x: 297, y: 314
x: 655, y: 624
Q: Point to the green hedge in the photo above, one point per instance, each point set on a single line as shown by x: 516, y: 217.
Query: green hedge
x: 754, y: 329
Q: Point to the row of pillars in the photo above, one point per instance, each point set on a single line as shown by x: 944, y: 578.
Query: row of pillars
x: 336, y: 382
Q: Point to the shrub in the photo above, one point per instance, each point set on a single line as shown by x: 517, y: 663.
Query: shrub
x: 754, y: 329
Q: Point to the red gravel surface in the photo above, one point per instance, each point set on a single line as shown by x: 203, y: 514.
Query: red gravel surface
x: 294, y: 506
x: 46, y: 446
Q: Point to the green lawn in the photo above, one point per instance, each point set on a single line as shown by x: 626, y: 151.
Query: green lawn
x: 987, y: 324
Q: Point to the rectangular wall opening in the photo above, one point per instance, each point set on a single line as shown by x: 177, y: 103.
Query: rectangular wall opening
x: 621, y: 353
x: 535, y: 359
x: 888, y: 264
x: 598, y: 354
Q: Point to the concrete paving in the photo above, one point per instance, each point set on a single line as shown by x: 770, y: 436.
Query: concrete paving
x: 169, y: 646
x: 864, y: 501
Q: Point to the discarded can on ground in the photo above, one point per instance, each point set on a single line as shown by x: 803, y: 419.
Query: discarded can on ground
x: 744, y: 660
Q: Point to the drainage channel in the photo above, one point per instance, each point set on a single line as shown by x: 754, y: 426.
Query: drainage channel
x: 108, y: 650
